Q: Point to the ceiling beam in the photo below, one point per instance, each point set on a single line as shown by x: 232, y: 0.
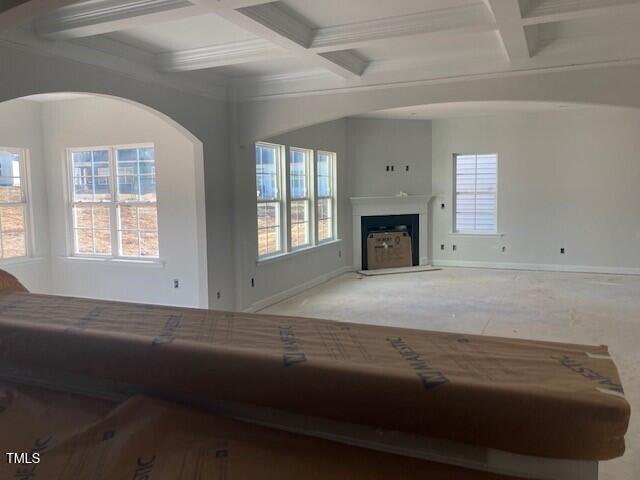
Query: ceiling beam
x: 20, y: 12
x: 547, y: 11
x: 327, y: 40
x: 270, y: 22
x: 512, y: 33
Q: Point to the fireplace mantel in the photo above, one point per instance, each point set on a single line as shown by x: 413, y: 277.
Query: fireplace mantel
x: 390, y: 205
x: 421, y: 201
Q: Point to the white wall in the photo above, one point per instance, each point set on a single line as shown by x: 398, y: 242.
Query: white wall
x: 99, y: 121
x: 20, y: 127
x: 283, y: 276
x: 375, y: 143
x: 566, y: 178
x: 205, y: 117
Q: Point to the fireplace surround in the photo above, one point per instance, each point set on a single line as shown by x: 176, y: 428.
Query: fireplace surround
x: 386, y: 206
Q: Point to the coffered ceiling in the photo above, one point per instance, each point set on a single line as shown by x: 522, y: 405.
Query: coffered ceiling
x: 254, y: 48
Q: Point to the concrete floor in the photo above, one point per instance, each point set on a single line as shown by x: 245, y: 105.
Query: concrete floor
x: 563, y: 307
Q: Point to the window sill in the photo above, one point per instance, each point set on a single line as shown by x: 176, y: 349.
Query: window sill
x: 294, y: 253
x: 152, y: 263
x: 477, y: 235
x: 21, y: 260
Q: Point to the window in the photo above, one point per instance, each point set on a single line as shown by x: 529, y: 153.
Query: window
x: 270, y: 199
x: 325, y: 167
x: 13, y: 203
x: 476, y: 188
x: 296, y: 200
x: 113, y: 202
x: 299, y: 190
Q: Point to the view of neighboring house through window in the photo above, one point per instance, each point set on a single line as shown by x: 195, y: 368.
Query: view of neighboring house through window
x: 304, y: 180
x: 325, y: 167
x: 13, y: 203
x: 476, y: 189
x: 269, y: 198
x: 114, y: 202
x: 299, y: 175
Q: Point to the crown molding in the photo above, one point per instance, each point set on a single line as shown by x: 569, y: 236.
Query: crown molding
x: 473, y: 18
x: 218, y: 55
x: 95, y: 16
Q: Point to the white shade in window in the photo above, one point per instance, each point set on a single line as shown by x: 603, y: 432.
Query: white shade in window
x: 476, y: 193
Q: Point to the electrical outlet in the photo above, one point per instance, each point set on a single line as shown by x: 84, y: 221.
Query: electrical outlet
x: 442, y: 206
x: 176, y: 283
x: 504, y: 249
x: 442, y: 246
x: 393, y: 167
x: 388, y: 168
x: 253, y: 282
x: 218, y: 295
x: 406, y: 168
x: 562, y: 250
x: 454, y: 247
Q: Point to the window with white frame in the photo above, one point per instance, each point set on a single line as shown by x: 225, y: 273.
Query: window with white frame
x: 476, y: 190
x: 325, y: 194
x: 296, y: 200
x: 301, y: 195
x: 270, y: 198
x: 114, y: 208
x: 13, y: 203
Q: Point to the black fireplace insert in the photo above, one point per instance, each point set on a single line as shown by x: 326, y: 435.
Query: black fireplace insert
x: 391, y: 223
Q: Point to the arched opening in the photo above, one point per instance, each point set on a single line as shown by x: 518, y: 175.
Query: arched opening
x: 103, y: 198
x: 563, y: 177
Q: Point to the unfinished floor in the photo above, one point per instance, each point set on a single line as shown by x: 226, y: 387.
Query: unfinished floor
x: 564, y: 307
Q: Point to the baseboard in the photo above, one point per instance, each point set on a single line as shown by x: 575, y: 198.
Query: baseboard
x: 538, y: 267
x: 278, y: 297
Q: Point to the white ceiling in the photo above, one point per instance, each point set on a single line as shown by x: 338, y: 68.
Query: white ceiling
x: 257, y: 48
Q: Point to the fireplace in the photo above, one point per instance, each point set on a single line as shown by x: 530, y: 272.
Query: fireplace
x: 391, y: 223
x: 396, y: 210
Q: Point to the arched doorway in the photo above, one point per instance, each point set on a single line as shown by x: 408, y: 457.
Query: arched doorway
x: 113, y: 199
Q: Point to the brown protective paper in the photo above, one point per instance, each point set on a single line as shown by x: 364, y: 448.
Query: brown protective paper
x: 530, y: 397
x: 143, y: 438
x: 388, y: 250
x: 10, y: 283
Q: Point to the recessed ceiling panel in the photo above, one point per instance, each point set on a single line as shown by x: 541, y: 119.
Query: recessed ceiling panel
x: 193, y: 32
x: 604, y: 25
x: 441, y: 48
x: 324, y: 13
